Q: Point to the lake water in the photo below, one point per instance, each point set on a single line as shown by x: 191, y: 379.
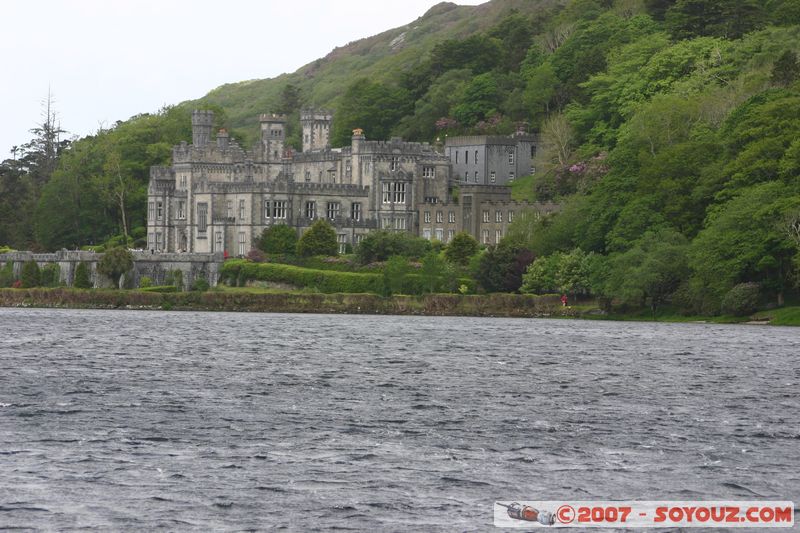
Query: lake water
x: 127, y: 420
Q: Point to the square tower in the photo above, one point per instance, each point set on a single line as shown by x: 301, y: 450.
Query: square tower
x: 202, y: 124
x: 273, y: 136
x: 316, y: 129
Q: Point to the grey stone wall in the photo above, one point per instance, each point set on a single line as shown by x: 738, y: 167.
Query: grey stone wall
x: 193, y: 266
x: 491, y: 159
x: 154, y: 265
x: 316, y: 126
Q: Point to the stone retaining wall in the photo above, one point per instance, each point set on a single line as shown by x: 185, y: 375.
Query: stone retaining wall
x: 156, y: 266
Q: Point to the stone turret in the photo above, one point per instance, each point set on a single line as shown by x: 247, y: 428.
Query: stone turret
x: 355, y: 151
x: 273, y: 135
x: 223, y: 139
x: 316, y: 126
x: 202, y: 123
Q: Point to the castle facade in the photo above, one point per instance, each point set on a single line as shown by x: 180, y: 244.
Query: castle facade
x: 218, y: 197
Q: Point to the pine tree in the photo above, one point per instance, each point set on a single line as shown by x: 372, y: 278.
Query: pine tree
x: 31, y: 275
x: 82, y: 280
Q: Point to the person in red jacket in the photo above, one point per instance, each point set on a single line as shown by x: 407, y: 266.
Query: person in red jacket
x: 564, y: 300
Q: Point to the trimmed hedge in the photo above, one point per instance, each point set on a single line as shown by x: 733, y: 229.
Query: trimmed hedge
x: 237, y: 272
x: 159, y: 288
x: 340, y: 264
x: 319, y: 262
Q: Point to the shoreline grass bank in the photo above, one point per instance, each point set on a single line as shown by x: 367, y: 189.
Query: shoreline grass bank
x: 277, y: 301
x: 496, y: 305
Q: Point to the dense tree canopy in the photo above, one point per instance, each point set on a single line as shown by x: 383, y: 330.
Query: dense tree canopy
x: 500, y: 269
x: 381, y: 245
x: 461, y: 248
x: 278, y: 239
x: 319, y: 239
x: 374, y: 107
x: 114, y: 263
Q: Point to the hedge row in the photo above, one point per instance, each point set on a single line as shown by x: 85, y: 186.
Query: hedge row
x: 160, y: 288
x: 239, y: 271
x: 339, y: 263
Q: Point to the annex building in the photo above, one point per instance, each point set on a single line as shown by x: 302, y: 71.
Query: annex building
x: 218, y: 197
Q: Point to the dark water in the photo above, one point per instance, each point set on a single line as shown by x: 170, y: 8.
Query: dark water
x: 149, y: 420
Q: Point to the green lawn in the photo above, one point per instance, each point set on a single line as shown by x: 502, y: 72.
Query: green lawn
x: 784, y: 316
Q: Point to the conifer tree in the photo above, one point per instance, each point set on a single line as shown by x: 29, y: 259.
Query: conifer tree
x: 82, y: 280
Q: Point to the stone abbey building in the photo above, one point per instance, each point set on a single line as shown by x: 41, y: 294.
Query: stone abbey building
x: 218, y: 197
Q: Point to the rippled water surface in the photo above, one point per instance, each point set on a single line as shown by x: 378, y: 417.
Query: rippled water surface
x: 125, y: 420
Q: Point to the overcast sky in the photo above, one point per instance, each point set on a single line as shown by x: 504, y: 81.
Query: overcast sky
x: 106, y: 60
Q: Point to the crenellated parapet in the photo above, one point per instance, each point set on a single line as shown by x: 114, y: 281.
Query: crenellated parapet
x: 212, y: 153
x: 228, y: 169
x: 162, y: 173
x: 162, y: 181
x: 540, y: 207
x: 316, y: 157
x: 202, y: 123
x: 271, y: 117
x: 316, y: 127
x: 242, y: 187
x: 507, y: 140
x: 397, y: 145
x: 315, y: 114
x: 344, y: 189
x: 53, y: 257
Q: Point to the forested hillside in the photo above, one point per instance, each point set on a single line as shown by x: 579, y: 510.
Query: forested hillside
x: 670, y: 131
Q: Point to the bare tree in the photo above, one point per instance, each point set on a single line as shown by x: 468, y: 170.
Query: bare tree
x: 791, y: 227
x: 115, y: 184
x: 555, y: 37
x: 557, y: 140
x: 628, y: 8
x: 41, y: 153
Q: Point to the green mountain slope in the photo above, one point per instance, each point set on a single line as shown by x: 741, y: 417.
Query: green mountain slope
x: 379, y: 58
